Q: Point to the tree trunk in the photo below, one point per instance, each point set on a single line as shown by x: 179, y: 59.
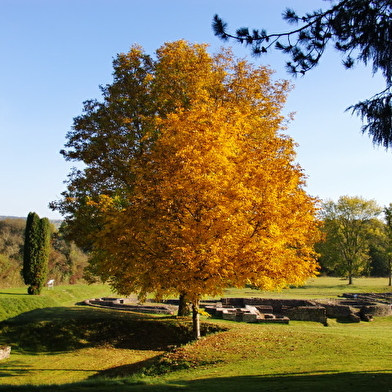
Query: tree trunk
x: 183, y: 306
x: 350, y: 279
x: 196, y: 319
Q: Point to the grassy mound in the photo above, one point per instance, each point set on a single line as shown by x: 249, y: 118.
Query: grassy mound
x: 87, y: 342
x: 59, y: 329
x: 10, y: 307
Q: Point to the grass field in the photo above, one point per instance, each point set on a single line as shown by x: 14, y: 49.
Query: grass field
x: 76, y: 348
x: 322, y: 287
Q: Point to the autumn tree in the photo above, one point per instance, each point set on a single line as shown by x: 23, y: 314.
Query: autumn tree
x: 106, y: 137
x: 359, y: 29
x: 36, y: 252
x: 213, y: 197
x: 347, y: 225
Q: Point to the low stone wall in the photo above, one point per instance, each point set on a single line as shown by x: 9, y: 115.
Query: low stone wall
x: 342, y: 312
x: 355, y: 311
x: 384, y: 298
x: 308, y: 313
x: 124, y: 305
x: 379, y: 310
x: 278, y: 305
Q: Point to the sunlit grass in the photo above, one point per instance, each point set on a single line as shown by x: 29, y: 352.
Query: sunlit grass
x: 16, y: 301
x: 265, y: 353
x: 70, y: 344
x: 320, y: 287
x: 59, y: 347
x: 67, y: 367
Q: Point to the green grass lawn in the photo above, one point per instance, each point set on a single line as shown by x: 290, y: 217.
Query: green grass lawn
x: 84, y: 349
x: 16, y: 301
x: 321, y: 287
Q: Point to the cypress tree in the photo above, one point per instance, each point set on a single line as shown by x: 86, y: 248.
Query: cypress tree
x: 36, y: 253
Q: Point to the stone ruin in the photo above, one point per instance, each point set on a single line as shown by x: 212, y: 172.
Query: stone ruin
x: 352, y: 308
x: 247, y: 313
x: 348, y: 308
x: 129, y: 304
x: 359, y: 307
x: 266, y: 310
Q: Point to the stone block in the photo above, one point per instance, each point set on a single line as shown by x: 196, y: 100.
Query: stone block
x: 5, y: 352
x: 249, y: 317
x: 229, y: 315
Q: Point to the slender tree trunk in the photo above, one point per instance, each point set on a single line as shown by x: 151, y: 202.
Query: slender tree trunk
x: 196, y: 319
x: 183, y: 306
x: 350, y: 279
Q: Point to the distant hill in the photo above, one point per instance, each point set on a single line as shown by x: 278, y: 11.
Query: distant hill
x: 55, y: 222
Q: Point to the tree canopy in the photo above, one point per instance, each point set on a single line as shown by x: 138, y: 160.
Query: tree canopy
x: 192, y: 181
x: 360, y: 29
x: 348, y: 226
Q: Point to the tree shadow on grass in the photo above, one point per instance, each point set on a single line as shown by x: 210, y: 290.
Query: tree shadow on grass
x: 14, y: 294
x: 125, y: 370
x: 13, y: 368
x: 302, y: 382
x: 53, y: 330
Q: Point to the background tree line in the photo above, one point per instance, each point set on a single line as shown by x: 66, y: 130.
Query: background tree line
x: 352, y: 226
x: 66, y: 260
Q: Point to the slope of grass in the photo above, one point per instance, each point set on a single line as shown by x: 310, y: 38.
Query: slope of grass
x: 247, y: 357
x: 63, y: 344
x: 16, y: 301
x: 85, y: 349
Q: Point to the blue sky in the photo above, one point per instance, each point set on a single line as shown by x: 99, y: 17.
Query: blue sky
x: 56, y: 53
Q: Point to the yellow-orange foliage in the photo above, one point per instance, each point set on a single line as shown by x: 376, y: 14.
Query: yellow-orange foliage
x: 218, y: 199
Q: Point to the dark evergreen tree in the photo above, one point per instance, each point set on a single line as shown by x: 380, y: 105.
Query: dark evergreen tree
x: 30, y: 246
x: 36, y: 253
x: 360, y: 29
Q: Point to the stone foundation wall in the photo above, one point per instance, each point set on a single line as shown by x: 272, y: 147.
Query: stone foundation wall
x: 341, y: 312
x: 350, y: 313
x: 308, y: 313
x: 379, y: 310
x: 278, y: 305
x: 121, y: 304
